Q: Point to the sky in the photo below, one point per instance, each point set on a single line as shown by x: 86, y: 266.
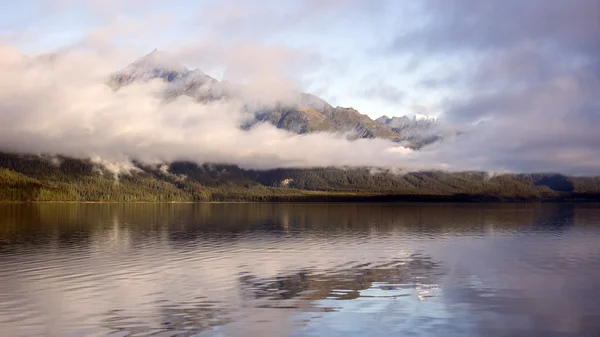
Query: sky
x: 521, y: 78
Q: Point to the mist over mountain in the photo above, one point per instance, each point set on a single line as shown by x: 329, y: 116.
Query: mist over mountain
x: 176, y: 122
x: 504, y: 104
x: 297, y: 112
x: 418, y: 131
x: 27, y: 178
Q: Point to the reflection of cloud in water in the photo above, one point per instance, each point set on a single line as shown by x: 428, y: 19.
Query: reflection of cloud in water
x: 535, y: 284
x: 334, y: 301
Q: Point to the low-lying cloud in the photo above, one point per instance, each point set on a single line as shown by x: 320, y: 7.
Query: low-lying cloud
x: 63, y: 106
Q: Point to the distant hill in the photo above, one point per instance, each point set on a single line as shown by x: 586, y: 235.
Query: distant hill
x: 39, y: 178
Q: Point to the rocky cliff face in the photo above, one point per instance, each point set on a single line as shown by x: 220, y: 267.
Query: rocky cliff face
x: 303, y: 118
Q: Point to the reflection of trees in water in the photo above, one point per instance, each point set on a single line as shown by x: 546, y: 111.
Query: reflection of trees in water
x: 557, y: 218
x: 414, y: 273
x: 72, y: 224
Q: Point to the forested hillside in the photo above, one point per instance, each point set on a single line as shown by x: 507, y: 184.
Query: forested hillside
x: 38, y: 178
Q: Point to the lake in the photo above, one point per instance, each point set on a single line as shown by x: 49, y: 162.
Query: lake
x: 249, y: 269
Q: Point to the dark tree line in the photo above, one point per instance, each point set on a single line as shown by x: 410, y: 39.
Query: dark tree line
x: 39, y: 178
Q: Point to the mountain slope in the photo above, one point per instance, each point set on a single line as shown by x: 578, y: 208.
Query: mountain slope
x: 418, y: 132
x: 35, y: 178
x: 304, y: 118
x: 304, y: 113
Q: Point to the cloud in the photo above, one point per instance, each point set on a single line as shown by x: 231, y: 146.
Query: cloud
x: 383, y: 91
x: 472, y: 24
x: 267, y: 71
x: 530, y: 73
x: 62, y: 106
x: 234, y: 19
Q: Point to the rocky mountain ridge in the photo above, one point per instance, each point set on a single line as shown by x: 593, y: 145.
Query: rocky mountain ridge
x: 305, y: 113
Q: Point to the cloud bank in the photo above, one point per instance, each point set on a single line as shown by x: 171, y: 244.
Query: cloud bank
x: 63, y: 106
x: 531, y: 76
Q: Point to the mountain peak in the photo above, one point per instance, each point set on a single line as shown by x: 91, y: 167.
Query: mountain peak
x: 394, y: 121
x: 156, y: 64
x: 305, y: 113
x: 158, y: 59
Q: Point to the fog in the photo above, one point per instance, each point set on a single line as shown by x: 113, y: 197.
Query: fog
x: 63, y: 106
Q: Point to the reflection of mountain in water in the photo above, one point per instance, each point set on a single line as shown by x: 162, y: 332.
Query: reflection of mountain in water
x: 414, y: 275
x: 263, y: 298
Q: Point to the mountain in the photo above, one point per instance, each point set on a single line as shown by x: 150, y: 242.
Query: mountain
x: 182, y: 81
x: 303, y: 117
x: 304, y: 113
x: 37, y: 178
x: 157, y: 64
x: 25, y: 178
x: 417, y: 131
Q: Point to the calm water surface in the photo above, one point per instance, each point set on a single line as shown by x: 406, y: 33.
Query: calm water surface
x: 299, y: 270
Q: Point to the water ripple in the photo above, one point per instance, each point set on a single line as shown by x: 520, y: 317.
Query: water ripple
x: 299, y: 270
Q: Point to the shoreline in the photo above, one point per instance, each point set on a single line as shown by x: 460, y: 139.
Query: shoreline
x: 349, y: 200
